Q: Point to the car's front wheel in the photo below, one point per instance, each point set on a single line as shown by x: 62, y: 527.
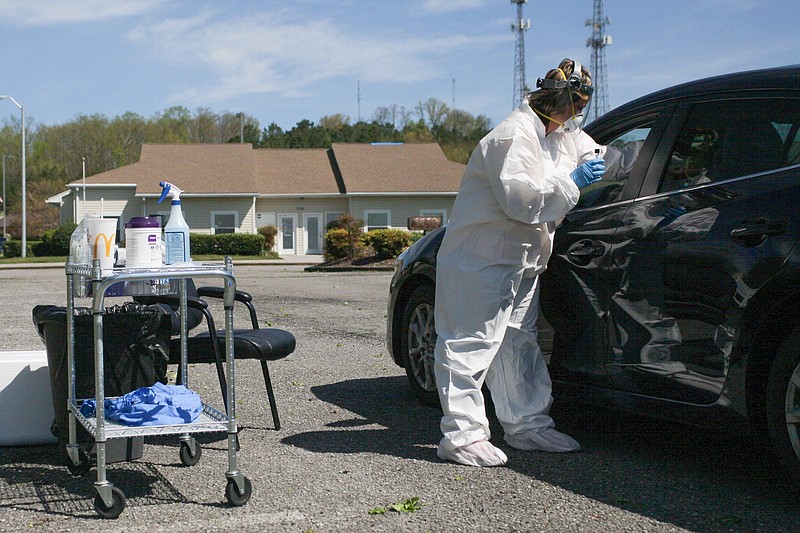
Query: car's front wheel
x: 783, y: 404
x: 418, y: 342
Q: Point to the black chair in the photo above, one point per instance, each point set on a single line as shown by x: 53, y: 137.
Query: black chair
x: 262, y: 344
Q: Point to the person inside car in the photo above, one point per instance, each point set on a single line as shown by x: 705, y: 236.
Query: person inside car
x: 521, y: 180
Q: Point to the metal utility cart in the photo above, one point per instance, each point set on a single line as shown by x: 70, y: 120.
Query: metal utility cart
x: 110, y: 500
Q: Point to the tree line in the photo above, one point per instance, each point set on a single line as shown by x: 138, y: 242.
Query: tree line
x: 58, y: 154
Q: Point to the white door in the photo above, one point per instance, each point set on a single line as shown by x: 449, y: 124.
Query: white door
x: 313, y: 233
x: 287, y: 234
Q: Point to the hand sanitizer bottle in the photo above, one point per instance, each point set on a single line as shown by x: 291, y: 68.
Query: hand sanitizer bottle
x: 176, y: 231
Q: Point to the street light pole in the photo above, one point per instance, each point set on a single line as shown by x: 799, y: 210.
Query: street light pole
x: 24, y: 185
x: 5, y: 198
x: 241, y: 127
x: 83, y: 167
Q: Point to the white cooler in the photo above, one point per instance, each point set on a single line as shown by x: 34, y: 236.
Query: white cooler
x: 26, y: 405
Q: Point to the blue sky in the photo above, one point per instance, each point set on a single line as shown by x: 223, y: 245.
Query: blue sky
x: 281, y: 61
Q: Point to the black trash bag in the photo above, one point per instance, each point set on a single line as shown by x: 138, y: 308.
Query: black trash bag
x: 135, y: 352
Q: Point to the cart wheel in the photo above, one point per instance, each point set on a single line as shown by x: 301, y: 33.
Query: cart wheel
x: 186, y: 454
x: 232, y: 493
x: 117, y: 505
x: 83, y: 466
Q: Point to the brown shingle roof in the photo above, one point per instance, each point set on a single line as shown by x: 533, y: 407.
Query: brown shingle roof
x: 294, y: 171
x: 195, y: 168
x: 239, y: 169
x: 411, y: 168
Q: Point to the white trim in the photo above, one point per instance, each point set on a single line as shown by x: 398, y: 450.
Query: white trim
x: 453, y: 193
x: 435, y: 213
x: 100, y: 185
x: 320, y: 233
x: 214, y: 214
x: 279, y: 237
x: 368, y: 212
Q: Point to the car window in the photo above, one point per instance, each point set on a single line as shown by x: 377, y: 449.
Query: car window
x: 728, y: 139
x: 621, y: 154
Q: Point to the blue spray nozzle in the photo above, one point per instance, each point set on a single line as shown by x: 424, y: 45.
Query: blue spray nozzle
x: 169, y: 190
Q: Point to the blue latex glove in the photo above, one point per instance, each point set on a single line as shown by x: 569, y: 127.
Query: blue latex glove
x: 588, y: 173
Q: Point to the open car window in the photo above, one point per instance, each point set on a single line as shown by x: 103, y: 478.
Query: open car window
x: 621, y: 156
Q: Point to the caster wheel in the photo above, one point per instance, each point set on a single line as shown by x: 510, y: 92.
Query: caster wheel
x: 186, y: 454
x: 232, y: 493
x: 83, y: 466
x: 117, y: 505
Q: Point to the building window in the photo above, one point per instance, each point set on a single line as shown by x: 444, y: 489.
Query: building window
x: 441, y: 214
x: 332, y: 216
x: 224, y: 222
x: 377, y: 220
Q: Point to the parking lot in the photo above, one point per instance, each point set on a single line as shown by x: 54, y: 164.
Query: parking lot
x: 353, y: 439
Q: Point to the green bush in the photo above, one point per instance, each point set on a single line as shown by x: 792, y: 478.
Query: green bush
x: 55, y: 242
x: 226, y: 244
x: 346, y: 239
x: 387, y: 242
x: 337, y: 244
x: 14, y: 248
x: 269, y: 233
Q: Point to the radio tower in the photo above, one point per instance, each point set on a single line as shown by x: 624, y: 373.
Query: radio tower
x: 520, y: 27
x: 598, y: 42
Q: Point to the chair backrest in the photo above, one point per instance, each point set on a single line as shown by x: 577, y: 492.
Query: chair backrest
x: 193, y: 318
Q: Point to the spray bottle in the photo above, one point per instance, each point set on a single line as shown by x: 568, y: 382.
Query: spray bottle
x: 176, y: 232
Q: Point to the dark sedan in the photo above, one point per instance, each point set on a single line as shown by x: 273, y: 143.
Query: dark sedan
x: 674, y: 285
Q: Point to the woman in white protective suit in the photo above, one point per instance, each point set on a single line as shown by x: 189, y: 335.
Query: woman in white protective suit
x: 521, y: 180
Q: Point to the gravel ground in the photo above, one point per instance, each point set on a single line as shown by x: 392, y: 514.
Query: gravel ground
x: 353, y: 439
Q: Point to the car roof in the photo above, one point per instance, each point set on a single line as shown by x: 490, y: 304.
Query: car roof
x: 786, y: 77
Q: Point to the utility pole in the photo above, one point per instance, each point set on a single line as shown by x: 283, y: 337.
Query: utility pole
x: 241, y: 127
x: 520, y: 27
x: 598, y: 42
x: 5, y: 199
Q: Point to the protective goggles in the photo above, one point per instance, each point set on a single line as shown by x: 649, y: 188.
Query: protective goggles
x: 573, y: 82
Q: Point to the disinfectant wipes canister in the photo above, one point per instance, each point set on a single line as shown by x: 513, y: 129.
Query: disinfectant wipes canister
x: 143, y: 242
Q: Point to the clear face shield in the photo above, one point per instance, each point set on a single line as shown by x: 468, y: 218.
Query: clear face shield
x: 574, y: 83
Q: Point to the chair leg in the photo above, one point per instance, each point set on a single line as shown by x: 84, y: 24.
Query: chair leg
x: 271, y: 394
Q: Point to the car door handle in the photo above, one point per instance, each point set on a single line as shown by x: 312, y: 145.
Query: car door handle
x: 586, y: 250
x: 760, y: 228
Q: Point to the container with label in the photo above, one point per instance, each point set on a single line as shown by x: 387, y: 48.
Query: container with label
x: 143, y: 242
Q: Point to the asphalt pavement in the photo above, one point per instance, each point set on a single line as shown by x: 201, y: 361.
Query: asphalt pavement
x: 354, y: 440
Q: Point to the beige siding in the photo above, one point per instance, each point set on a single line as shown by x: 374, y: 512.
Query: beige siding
x: 197, y: 211
x: 108, y: 202
x: 401, y: 207
x: 299, y: 207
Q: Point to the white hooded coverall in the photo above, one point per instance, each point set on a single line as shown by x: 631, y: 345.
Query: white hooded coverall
x: 515, y: 190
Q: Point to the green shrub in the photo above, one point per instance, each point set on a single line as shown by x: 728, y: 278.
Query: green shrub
x: 226, y: 244
x: 387, y: 242
x: 55, y: 242
x: 343, y: 238
x: 14, y: 248
x: 269, y: 233
x: 337, y: 244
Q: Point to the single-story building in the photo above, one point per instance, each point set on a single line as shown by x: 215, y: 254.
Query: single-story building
x: 235, y: 188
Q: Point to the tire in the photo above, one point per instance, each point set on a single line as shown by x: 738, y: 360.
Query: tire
x: 232, y: 492
x: 783, y: 405
x: 117, y: 504
x: 84, y: 462
x: 418, y: 340
x: 186, y: 453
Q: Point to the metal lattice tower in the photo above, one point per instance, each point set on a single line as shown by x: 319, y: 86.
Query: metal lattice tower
x: 598, y: 42
x: 520, y: 26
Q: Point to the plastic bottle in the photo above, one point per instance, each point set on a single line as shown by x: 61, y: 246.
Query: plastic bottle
x: 176, y: 231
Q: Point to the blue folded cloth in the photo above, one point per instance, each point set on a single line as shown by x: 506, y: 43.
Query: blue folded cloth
x: 158, y: 405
